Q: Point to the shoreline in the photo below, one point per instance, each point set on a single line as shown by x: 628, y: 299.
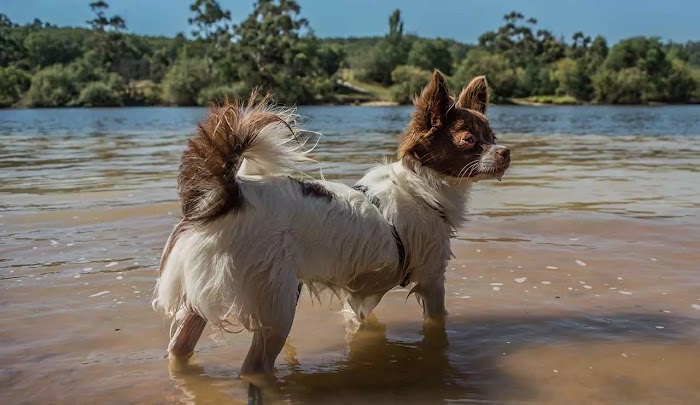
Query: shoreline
x: 378, y: 103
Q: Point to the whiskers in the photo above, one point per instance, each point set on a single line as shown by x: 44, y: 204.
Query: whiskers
x: 470, y: 167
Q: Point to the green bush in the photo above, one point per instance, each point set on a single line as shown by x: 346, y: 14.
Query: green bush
x: 627, y: 86
x: 98, y: 94
x: 537, y: 79
x: 680, y: 83
x: 52, y: 87
x: 571, y: 79
x: 431, y: 54
x: 13, y: 83
x: 184, y: 81
x: 409, y: 82
x: 219, y: 94
x: 503, y: 78
x: 50, y: 46
x: 557, y: 100
x: 695, y: 73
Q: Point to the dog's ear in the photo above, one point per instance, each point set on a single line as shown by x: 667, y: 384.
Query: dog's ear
x: 475, y: 95
x: 432, y: 105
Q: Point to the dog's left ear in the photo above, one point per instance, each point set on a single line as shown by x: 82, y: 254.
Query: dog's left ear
x: 475, y: 95
x: 433, y: 103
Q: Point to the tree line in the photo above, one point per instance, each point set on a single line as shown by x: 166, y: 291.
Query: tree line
x: 42, y: 65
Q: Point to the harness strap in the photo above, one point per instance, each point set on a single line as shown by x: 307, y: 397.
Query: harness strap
x: 403, y: 264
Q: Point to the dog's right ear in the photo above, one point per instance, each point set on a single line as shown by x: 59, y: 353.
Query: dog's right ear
x: 475, y: 95
x: 432, y: 105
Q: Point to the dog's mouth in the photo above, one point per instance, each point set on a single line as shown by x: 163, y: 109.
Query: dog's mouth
x: 492, y: 170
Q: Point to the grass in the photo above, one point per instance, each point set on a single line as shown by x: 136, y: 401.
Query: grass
x: 378, y: 91
x: 549, y: 99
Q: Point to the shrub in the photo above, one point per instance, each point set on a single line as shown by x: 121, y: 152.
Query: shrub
x: 51, y: 87
x: 430, y: 54
x: 628, y: 86
x: 409, y: 82
x: 503, y: 78
x: 13, y: 83
x: 680, y: 83
x: 219, y: 94
x: 98, y: 94
x: 184, y: 81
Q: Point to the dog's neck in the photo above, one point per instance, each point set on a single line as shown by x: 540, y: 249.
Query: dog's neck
x: 447, y: 195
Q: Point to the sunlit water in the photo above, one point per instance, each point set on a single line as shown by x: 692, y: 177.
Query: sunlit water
x: 576, y: 280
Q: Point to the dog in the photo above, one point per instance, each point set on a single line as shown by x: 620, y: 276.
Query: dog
x: 251, y: 235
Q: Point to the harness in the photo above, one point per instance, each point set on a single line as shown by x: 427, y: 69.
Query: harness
x: 403, y: 263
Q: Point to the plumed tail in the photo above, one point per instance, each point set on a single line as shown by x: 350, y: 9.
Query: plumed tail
x: 236, y: 137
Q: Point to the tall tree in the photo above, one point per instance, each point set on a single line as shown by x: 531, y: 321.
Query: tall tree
x: 278, y: 51
x: 391, y: 52
x: 101, y: 22
x: 210, y: 20
x: 107, y: 43
x: 211, y: 24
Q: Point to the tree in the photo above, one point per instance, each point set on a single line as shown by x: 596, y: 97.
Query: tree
x: 210, y: 20
x: 5, y: 21
x: 521, y: 44
x: 278, y: 52
x: 108, y: 44
x: 211, y: 25
x: 571, y: 80
x: 502, y: 76
x: 100, y: 94
x: 537, y: 80
x: 47, y: 47
x: 680, y: 86
x: 184, y: 81
x: 391, y: 52
x: 52, y: 87
x: 409, y: 82
x: 13, y: 83
x: 101, y: 22
x: 626, y: 86
x: 429, y: 55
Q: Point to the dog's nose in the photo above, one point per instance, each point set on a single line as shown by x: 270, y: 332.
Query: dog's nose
x: 504, y: 152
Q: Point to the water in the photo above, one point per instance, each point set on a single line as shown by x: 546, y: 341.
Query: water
x: 576, y: 278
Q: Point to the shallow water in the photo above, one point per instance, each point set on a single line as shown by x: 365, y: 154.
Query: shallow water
x: 575, y: 280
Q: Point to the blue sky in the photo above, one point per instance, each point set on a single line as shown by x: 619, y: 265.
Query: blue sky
x: 463, y: 20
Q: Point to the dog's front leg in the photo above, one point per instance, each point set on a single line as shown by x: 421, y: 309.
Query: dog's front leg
x: 431, y: 295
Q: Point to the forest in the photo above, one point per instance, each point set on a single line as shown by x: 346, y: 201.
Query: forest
x: 275, y: 49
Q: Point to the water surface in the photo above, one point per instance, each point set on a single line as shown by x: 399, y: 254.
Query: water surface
x: 576, y: 278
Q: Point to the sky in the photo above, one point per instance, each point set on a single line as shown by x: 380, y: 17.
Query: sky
x: 461, y: 20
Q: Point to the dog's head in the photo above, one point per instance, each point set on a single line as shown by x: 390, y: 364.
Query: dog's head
x: 454, y: 138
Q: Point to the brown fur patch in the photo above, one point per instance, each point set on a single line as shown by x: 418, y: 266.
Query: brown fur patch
x: 312, y: 188
x: 447, y: 137
x: 207, y: 181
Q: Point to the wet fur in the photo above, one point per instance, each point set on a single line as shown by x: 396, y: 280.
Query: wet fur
x: 250, y: 234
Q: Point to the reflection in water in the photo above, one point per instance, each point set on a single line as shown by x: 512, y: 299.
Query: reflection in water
x: 376, y: 365
x: 461, y: 363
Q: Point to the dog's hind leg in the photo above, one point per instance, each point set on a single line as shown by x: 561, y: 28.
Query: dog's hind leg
x: 182, y: 344
x: 276, y: 318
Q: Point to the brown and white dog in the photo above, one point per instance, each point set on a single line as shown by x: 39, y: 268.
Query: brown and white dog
x: 251, y: 236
